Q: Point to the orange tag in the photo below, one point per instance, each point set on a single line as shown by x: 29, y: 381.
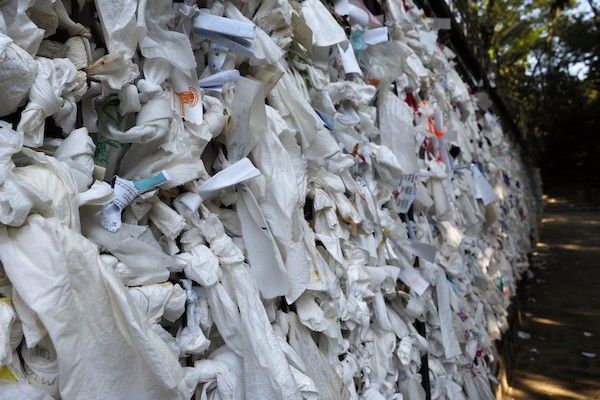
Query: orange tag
x: 374, y: 81
x: 431, y: 128
x: 187, y: 98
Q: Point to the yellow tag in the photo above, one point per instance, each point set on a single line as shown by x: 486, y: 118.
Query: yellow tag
x: 6, y: 374
x: 5, y: 371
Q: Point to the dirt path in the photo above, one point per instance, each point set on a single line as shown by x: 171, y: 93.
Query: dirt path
x: 559, y: 307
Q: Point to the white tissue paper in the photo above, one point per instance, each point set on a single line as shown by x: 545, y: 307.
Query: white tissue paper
x: 250, y: 200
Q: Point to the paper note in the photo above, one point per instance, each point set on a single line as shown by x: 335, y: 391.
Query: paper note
x: 349, y: 61
x: 422, y: 250
x: 449, y: 339
x: 186, y: 100
x: 342, y: 7
x: 325, y: 29
x: 125, y: 192
x: 373, y: 20
x: 217, y: 80
x: 375, y: 36
x: 224, y: 26
x: 483, y: 189
x: 187, y: 203
x: 411, y: 277
x: 406, y: 192
x: 232, y: 175
x: 332, y: 244
x: 266, y: 263
x: 237, y: 45
x: 358, y: 16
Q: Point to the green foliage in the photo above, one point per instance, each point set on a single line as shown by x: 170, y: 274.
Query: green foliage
x: 545, y: 58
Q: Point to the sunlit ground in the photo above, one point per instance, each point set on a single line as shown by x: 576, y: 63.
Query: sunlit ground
x: 560, y: 309
x: 542, y: 387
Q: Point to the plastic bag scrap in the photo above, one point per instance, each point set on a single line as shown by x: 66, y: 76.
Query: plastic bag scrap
x: 249, y: 200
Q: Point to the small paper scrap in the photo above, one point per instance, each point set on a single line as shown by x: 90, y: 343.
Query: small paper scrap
x: 422, y: 250
x: 523, y: 335
x: 125, y: 192
x: 483, y: 189
x: 406, y: 193
x: 413, y: 279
